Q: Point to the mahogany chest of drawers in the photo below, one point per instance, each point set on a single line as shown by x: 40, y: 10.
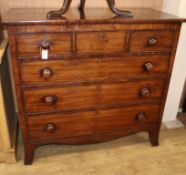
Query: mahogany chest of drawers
x: 104, y: 77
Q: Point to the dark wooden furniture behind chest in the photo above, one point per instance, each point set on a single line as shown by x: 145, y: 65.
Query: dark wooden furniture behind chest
x: 105, y: 77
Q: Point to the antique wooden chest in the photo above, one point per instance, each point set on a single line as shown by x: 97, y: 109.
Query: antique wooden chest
x: 90, y: 77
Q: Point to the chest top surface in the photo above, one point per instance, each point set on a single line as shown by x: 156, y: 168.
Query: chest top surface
x: 22, y: 16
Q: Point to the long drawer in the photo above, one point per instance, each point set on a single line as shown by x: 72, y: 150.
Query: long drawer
x: 90, y: 96
x: 54, y: 126
x: 95, y: 69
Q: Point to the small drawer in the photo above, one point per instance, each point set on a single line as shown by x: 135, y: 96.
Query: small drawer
x: 141, y: 41
x: 91, y: 96
x: 100, y: 42
x: 56, y: 126
x: 55, y: 43
x: 97, y: 69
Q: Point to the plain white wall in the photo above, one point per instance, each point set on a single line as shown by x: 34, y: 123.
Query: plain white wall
x: 171, y: 6
x: 177, y: 7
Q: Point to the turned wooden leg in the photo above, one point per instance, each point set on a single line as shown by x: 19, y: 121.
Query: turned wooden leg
x: 154, y: 137
x: 63, y: 10
x: 113, y: 8
x: 29, y: 153
x: 82, y: 4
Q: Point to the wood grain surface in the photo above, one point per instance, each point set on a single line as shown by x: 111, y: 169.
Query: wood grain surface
x: 93, y: 96
x: 90, y: 122
x: 93, y: 69
x: 31, y: 45
x: 115, y: 63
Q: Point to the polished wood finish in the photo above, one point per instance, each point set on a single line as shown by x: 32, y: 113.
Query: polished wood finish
x: 90, y: 96
x: 104, y: 77
x: 148, y: 67
x: 46, y: 73
x: 91, y: 16
x: 100, y: 42
x: 151, y: 41
x: 57, y: 43
x: 53, y: 126
x: 107, y: 69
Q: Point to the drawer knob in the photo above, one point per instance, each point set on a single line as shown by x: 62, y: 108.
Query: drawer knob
x: 46, y: 45
x: 144, y: 92
x: 50, y: 100
x: 140, y: 117
x: 148, y: 67
x: 50, y: 127
x: 152, y: 41
x: 46, y: 73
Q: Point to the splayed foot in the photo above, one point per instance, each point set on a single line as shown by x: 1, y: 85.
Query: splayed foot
x: 66, y: 5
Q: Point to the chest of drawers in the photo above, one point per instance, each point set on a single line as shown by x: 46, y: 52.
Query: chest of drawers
x: 104, y: 77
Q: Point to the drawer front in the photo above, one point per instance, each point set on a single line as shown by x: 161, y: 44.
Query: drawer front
x: 98, y: 69
x: 50, y: 127
x: 151, y: 41
x: 31, y: 44
x: 100, y: 42
x: 90, y: 96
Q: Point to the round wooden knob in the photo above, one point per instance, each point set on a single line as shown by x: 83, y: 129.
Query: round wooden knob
x: 140, y: 117
x: 152, y: 41
x: 50, y: 127
x: 46, y: 73
x: 46, y: 45
x: 144, y: 92
x: 50, y: 100
x: 148, y: 67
